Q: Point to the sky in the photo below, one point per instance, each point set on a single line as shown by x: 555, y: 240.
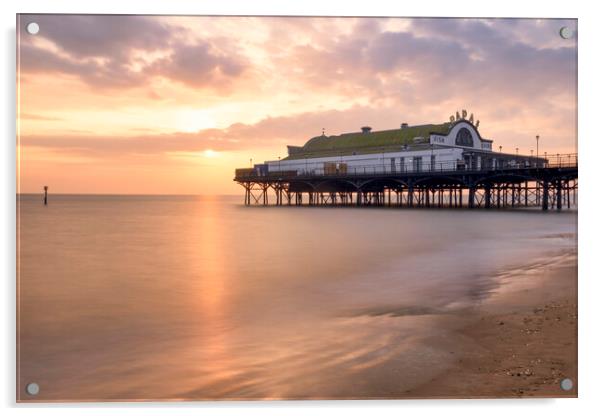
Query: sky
x: 172, y: 105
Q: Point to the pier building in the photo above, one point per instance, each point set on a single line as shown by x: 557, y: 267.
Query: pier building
x: 421, y: 165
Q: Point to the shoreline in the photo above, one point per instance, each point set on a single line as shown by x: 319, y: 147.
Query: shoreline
x: 521, y: 342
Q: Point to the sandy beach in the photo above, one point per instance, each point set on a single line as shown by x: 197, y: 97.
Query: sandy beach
x: 522, y: 341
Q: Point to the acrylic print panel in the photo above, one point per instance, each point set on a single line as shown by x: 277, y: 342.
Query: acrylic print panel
x: 221, y: 208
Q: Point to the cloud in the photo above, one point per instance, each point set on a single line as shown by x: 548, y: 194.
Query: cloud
x: 425, y: 64
x: 198, y: 65
x: 28, y: 116
x: 102, y: 51
x: 269, y: 132
x: 114, y: 36
x: 392, y: 51
x: 111, y: 74
x: 277, y: 132
x: 363, y: 59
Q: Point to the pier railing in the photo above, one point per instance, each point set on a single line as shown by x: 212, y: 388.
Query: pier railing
x: 568, y: 160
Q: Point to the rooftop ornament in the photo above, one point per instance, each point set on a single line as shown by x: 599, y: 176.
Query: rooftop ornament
x: 459, y: 117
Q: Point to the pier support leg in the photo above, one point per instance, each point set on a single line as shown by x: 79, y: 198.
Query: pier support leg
x: 247, y: 195
x: 471, y: 192
x: 574, y: 192
x: 559, y: 195
x: 265, y: 194
x: 488, y: 196
x: 498, y: 196
x: 545, y: 196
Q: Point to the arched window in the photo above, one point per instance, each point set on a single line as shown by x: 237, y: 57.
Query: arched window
x: 464, y: 138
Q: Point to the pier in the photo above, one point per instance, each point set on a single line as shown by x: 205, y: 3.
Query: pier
x: 549, y: 183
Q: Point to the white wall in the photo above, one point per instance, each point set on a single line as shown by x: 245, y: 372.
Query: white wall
x: 445, y: 159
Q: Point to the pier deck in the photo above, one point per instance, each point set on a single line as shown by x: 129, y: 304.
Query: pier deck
x: 552, y: 185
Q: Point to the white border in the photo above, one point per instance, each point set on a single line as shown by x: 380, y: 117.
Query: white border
x: 590, y: 130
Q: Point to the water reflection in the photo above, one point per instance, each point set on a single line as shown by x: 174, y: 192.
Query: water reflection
x: 188, y: 297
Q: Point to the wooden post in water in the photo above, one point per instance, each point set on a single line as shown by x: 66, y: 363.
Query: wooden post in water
x: 46, y: 195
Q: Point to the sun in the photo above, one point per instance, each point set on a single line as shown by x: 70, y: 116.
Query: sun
x: 210, y: 153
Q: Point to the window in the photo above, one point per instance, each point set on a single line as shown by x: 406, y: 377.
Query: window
x: 402, y: 164
x: 417, y: 164
x: 464, y: 138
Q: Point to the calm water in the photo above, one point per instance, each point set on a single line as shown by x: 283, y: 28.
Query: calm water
x: 199, y: 297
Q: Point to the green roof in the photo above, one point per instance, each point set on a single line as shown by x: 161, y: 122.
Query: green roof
x: 360, y: 142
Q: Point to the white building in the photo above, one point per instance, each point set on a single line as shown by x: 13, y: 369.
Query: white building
x: 423, y: 148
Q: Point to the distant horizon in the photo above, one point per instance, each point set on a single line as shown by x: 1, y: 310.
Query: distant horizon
x: 50, y: 194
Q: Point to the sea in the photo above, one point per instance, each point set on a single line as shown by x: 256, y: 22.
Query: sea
x: 202, y: 298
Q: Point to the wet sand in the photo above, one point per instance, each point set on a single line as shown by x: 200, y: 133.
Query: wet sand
x: 522, y: 342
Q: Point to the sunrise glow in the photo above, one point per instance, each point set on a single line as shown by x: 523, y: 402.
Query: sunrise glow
x: 162, y: 97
